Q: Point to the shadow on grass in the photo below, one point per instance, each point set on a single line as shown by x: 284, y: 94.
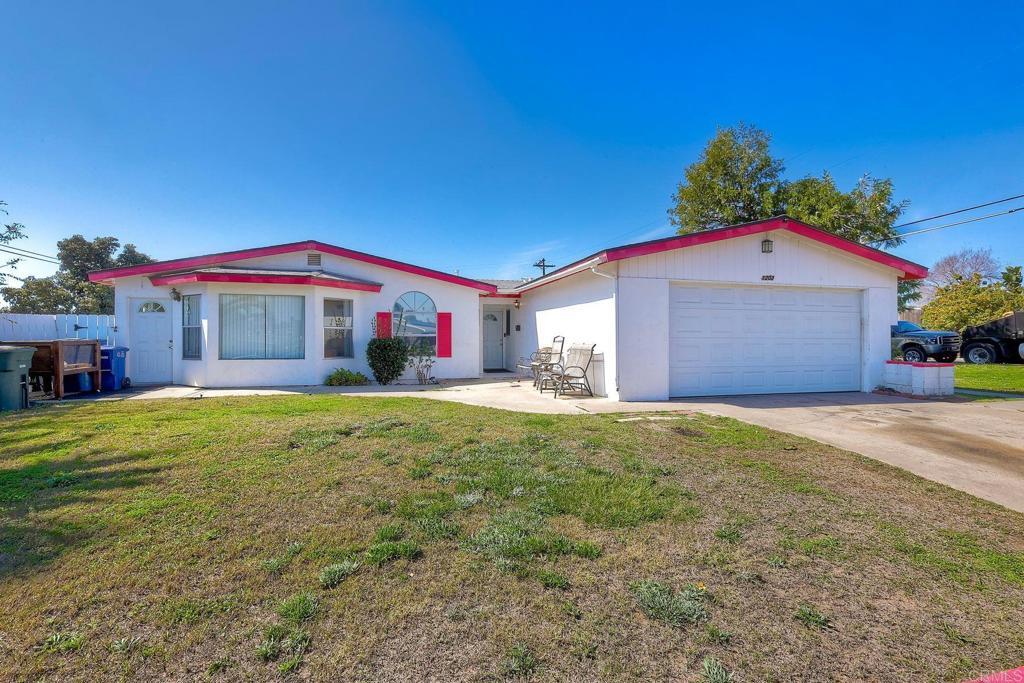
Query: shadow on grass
x: 31, y: 535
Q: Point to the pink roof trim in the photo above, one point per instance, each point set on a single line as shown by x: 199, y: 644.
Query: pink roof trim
x: 918, y: 364
x: 184, y: 278
x: 310, y: 245
x: 911, y: 270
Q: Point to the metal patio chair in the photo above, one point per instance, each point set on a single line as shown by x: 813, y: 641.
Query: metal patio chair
x: 542, y: 359
x: 570, y: 375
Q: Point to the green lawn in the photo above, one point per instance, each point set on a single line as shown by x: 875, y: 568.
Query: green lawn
x: 341, y: 538
x: 990, y: 377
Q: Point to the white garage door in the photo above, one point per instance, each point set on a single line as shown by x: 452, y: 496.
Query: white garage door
x: 762, y: 340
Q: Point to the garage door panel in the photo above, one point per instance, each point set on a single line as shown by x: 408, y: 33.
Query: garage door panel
x: 737, y: 340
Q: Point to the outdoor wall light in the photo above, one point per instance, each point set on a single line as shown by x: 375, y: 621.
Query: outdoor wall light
x: 516, y: 304
x: 767, y: 246
x: 175, y: 294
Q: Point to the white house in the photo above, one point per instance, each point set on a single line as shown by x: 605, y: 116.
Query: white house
x: 766, y: 307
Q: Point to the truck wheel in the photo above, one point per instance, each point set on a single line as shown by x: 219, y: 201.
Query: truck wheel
x: 914, y: 354
x: 946, y: 358
x: 979, y: 354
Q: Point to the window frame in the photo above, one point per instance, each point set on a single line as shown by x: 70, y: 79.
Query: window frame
x: 150, y: 306
x: 421, y: 311
x: 186, y: 300
x: 350, y: 327
x: 220, y: 326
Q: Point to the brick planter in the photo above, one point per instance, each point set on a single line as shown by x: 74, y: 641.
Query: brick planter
x: 919, y: 379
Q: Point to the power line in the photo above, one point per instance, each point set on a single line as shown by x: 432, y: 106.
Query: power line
x: 951, y: 213
x: 37, y: 258
x: 29, y: 251
x: 952, y: 225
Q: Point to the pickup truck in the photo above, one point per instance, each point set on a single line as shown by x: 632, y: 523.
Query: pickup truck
x: 917, y: 345
x: 997, y: 341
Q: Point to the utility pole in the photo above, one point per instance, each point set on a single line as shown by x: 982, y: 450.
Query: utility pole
x: 543, y: 265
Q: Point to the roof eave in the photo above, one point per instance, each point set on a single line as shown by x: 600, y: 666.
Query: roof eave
x: 164, y: 267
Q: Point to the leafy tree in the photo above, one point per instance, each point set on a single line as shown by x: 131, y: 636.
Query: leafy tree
x: 10, y: 232
x: 972, y: 301
x: 736, y: 179
x: 1013, y: 279
x: 907, y: 293
x: 69, y: 290
x: 865, y: 214
x: 963, y: 263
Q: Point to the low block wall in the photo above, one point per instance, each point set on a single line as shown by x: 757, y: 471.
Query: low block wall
x: 919, y: 379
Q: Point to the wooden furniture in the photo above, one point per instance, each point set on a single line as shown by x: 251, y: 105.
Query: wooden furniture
x: 56, y: 359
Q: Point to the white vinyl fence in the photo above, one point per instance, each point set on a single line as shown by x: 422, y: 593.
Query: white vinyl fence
x: 31, y: 326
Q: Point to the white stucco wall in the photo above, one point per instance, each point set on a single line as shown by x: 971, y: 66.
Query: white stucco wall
x: 580, y: 307
x: 462, y: 302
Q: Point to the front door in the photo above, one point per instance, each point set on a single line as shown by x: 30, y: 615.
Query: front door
x: 494, y: 357
x: 151, y: 342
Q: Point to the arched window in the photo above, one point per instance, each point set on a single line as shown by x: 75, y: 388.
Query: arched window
x: 414, y: 318
x: 152, y: 307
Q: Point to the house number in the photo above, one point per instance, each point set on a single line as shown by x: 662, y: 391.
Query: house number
x: 767, y: 277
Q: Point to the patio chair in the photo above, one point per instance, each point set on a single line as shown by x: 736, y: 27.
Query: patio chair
x: 570, y: 375
x: 542, y: 359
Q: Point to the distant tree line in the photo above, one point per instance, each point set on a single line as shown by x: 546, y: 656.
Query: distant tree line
x: 68, y: 290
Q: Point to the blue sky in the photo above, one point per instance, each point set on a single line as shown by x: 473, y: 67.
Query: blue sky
x: 480, y: 136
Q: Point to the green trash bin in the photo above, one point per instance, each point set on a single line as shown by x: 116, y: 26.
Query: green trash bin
x: 15, y: 362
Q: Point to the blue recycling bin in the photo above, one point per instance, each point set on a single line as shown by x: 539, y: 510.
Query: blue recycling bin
x: 112, y: 366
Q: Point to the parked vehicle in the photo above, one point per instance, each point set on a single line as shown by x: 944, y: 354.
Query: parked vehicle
x: 997, y: 341
x: 917, y: 345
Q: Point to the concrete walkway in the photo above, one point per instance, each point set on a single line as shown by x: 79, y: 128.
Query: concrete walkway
x: 974, y: 446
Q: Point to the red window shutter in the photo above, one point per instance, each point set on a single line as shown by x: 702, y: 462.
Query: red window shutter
x: 444, y: 335
x: 384, y: 324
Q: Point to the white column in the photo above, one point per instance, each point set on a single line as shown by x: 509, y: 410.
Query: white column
x: 642, y: 355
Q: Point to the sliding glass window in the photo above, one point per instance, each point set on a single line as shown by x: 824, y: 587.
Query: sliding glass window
x: 258, y: 327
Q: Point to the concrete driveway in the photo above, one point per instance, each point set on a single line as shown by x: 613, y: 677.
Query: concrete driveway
x: 976, y: 446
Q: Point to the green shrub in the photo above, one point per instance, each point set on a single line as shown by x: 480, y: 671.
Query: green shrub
x: 387, y: 357
x: 346, y: 378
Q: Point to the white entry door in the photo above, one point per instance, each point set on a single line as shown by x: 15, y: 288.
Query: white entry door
x: 726, y: 339
x: 151, y: 341
x: 494, y: 356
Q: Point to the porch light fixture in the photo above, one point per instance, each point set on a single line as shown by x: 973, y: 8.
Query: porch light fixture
x: 767, y: 246
x: 175, y: 294
x: 516, y: 304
